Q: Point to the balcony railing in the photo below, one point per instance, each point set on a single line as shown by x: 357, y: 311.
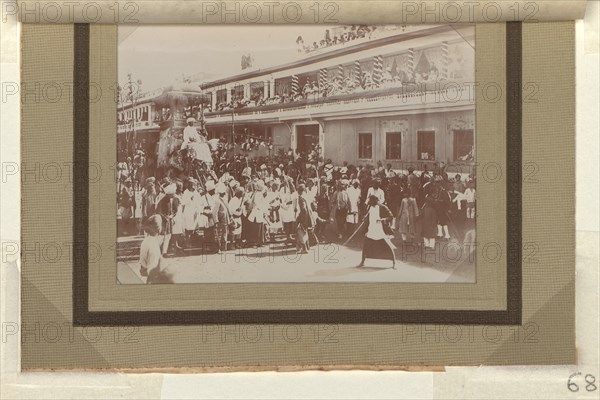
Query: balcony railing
x: 444, y: 93
x: 140, y: 126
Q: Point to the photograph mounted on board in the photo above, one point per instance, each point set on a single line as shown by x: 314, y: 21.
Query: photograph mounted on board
x: 250, y: 154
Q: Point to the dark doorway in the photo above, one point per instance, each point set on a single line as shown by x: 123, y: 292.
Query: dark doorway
x: 463, y: 145
x: 307, y: 137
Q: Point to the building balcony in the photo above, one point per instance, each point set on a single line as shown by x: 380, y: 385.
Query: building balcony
x: 139, y: 126
x: 413, y: 97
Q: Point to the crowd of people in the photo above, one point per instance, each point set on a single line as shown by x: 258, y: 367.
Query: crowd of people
x: 333, y: 86
x: 349, y: 34
x: 296, y: 199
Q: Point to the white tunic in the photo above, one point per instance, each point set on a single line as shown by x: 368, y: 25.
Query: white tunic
x: 310, y: 194
x: 470, y: 195
x: 354, y: 196
x: 286, y: 211
x: 204, y: 221
x: 235, y: 207
x: 191, y: 203
x: 192, y: 139
x: 150, y: 252
x: 178, y: 221
x: 379, y: 193
x: 375, y: 231
x: 260, y: 206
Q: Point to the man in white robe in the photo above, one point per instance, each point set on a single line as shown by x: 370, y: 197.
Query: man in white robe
x: 198, y: 143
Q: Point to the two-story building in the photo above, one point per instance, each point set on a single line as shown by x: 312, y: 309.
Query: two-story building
x: 404, y: 97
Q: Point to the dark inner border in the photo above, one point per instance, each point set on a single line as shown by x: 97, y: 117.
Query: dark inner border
x: 83, y: 317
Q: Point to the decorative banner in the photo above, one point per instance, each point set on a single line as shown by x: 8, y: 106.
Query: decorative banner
x: 378, y: 70
x: 322, y: 80
x: 341, y: 72
x: 445, y: 60
x: 357, y: 74
x: 295, y: 86
x: 411, y: 64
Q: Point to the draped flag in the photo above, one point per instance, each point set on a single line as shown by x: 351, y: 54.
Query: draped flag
x: 295, y: 86
x: 358, y: 78
x: 445, y: 60
x: 322, y: 81
x: 341, y: 72
x: 411, y: 64
x: 395, y: 66
x: 424, y: 65
x: 378, y: 70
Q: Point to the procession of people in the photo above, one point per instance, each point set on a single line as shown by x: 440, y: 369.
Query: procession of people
x: 295, y: 199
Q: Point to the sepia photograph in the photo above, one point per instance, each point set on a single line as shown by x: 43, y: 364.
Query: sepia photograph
x: 305, y: 153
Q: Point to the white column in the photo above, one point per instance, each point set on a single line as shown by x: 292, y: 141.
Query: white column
x: 228, y: 91
x: 266, y: 94
x: 213, y: 96
x: 247, y: 91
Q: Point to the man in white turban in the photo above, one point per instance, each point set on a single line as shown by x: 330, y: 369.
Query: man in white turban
x: 197, y: 142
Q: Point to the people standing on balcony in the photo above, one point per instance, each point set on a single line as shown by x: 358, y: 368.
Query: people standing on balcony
x: 300, y: 43
x: 307, y: 90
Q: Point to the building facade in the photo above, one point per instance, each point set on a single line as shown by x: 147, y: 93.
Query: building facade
x: 403, y: 97
x: 399, y: 95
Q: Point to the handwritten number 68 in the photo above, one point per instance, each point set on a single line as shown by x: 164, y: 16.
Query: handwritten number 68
x: 590, y: 381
